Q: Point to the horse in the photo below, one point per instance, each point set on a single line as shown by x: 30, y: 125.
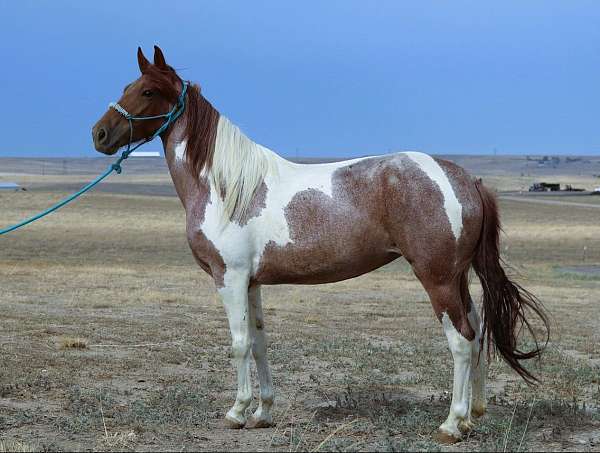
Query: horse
x: 254, y: 218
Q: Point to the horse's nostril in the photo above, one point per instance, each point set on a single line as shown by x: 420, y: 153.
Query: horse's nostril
x: 101, y: 135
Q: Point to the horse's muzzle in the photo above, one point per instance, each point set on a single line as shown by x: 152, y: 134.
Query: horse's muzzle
x: 103, y: 140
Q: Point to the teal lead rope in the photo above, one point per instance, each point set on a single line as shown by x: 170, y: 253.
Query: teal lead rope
x: 170, y: 118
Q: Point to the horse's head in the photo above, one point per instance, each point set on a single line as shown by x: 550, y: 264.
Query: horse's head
x: 154, y: 93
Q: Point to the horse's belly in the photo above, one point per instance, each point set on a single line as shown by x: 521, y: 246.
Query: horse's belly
x: 311, y: 273
x: 322, y: 261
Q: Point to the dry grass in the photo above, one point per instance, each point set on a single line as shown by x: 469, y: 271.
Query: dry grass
x: 358, y: 365
x: 73, y: 343
x: 16, y: 446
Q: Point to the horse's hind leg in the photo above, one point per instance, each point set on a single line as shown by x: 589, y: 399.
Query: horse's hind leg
x: 447, y: 303
x: 478, y: 367
x: 262, y: 416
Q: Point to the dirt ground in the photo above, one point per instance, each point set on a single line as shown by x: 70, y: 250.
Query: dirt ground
x: 111, y: 338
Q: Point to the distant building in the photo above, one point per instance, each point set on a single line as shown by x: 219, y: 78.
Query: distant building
x: 9, y: 186
x: 145, y: 154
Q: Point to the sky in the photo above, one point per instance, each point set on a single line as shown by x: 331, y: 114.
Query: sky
x: 316, y: 78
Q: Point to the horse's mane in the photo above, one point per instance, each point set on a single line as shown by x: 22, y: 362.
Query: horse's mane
x: 235, y: 165
x: 239, y: 167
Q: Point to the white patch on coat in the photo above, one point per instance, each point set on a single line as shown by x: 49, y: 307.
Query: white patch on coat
x: 460, y: 407
x: 433, y: 170
x: 180, y: 150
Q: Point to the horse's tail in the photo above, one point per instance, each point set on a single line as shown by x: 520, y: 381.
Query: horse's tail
x: 504, y: 302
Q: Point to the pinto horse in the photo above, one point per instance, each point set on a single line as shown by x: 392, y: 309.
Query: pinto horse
x: 254, y: 218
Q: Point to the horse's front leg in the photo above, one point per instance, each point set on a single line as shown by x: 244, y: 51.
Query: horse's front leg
x: 262, y: 416
x: 235, y: 299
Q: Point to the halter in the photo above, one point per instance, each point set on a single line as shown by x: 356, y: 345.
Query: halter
x: 171, y: 116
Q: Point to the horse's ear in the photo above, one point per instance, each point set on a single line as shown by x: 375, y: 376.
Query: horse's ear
x: 159, y: 58
x: 143, y: 62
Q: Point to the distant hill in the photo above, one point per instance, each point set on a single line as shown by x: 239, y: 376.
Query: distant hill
x: 478, y: 165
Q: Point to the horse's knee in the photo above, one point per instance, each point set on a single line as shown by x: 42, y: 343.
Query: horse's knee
x: 240, y: 347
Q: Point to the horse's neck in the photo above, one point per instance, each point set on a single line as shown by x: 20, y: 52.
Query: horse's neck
x: 232, y: 148
x: 187, y: 187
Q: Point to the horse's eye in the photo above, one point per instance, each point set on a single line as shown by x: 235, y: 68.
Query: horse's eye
x: 147, y: 93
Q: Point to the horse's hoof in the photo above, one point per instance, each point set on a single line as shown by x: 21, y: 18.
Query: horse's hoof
x: 478, y: 411
x: 231, y: 423
x: 256, y: 423
x: 445, y: 438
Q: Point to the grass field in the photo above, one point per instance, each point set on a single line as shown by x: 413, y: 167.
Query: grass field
x: 111, y: 338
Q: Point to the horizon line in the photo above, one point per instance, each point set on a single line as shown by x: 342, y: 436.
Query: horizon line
x: 298, y: 156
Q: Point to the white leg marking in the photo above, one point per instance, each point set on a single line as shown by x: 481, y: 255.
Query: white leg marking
x: 235, y: 300
x: 478, y: 368
x: 459, y: 417
x: 262, y: 415
x: 436, y: 174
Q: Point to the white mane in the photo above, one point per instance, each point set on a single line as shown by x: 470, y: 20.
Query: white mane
x: 239, y: 167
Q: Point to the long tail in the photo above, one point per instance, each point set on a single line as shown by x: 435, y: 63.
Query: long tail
x: 504, y: 302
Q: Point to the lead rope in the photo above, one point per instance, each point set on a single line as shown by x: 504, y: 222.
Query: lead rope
x: 175, y: 113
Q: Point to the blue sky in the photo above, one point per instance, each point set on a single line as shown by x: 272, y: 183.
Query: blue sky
x: 314, y: 78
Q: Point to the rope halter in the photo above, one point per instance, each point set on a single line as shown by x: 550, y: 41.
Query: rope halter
x: 118, y: 108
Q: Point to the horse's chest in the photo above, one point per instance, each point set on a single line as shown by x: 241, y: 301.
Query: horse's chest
x: 205, y: 251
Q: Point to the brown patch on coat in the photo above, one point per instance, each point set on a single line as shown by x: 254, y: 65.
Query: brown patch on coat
x: 258, y: 203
